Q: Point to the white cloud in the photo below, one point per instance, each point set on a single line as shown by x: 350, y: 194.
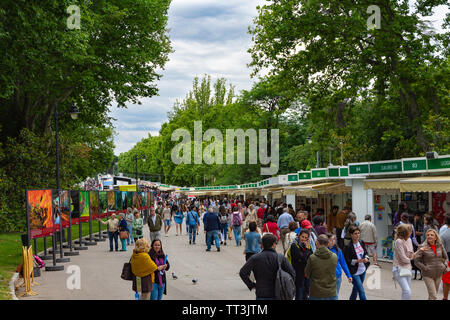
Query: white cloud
x: 209, y: 37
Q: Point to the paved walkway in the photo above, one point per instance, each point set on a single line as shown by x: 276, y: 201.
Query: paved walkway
x: 217, y: 274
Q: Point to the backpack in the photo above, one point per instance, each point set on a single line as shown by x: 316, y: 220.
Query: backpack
x: 288, y: 252
x: 39, y: 262
x: 284, y: 283
x: 223, y: 219
x: 237, y: 219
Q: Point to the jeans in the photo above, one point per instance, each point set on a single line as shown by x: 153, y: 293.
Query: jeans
x: 130, y: 239
x: 157, y: 292
x: 155, y: 235
x: 124, y: 244
x: 237, y: 234
x: 113, y: 236
x: 358, y: 287
x: 405, y: 284
x: 329, y: 298
x: 302, y: 291
x: 210, y: 235
x: 224, y: 230
x: 192, y: 233
x: 338, y: 285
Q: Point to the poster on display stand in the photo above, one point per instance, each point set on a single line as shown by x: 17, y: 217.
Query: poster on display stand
x: 84, y: 206
x: 111, y: 202
x: 75, y: 206
x: 39, y: 213
x: 61, y: 203
x: 103, y: 203
x: 118, y: 199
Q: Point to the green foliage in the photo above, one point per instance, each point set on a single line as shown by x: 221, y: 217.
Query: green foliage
x: 384, y: 91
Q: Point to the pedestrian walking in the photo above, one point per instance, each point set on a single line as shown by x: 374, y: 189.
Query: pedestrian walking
x: 223, y: 224
x: 319, y: 226
x: 142, y: 269
x: 306, y: 225
x: 167, y: 216
x: 154, y: 225
x: 432, y: 260
x: 212, y: 227
x: 158, y: 256
x: 113, y: 231
x: 403, y: 254
x: 300, y: 250
x: 123, y: 231
x: 445, y: 238
x: 341, y: 265
x: 370, y: 238
x: 428, y: 224
x: 357, y: 259
x: 129, y: 219
x: 341, y: 217
x: 251, y: 216
x: 291, y: 237
x: 331, y: 219
x: 272, y: 227
x: 265, y: 267
x: 350, y: 222
x: 178, y: 218
x: 236, y: 219
x: 260, y: 216
x: 283, y: 224
x: 192, y: 220
x: 138, y: 226
x: 252, y: 241
x: 321, y: 270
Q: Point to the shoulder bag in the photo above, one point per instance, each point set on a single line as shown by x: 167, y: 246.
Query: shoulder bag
x: 126, y: 271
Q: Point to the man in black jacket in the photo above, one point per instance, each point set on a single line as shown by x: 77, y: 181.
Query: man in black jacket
x: 265, y: 266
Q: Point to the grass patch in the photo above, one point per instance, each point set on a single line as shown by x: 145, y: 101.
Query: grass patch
x: 11, y: 253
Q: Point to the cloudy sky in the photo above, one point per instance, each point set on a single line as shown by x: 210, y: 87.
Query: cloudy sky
x: 209, y: 37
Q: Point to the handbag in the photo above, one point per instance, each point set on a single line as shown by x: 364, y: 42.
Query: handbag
x: 264, y: 233
x: 126, y: 271
x: 123, y: 235
x: 138, y: 232
x: 404, y: 272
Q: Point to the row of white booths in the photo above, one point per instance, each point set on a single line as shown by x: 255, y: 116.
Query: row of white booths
x: 374, y: 188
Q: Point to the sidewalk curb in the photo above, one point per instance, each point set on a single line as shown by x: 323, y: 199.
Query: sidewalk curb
x: 12, y: 285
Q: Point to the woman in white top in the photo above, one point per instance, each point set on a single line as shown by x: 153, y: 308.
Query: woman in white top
x: 251, y: 216
x: 403, y: 254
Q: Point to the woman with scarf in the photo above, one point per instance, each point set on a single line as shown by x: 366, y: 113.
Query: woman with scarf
x: 156, y: 253
x: 142, y: 268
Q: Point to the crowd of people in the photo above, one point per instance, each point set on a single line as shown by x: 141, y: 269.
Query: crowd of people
x: 315, y: 249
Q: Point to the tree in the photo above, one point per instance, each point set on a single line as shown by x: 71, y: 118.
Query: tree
x: 325, y: 51
x: 112, y: 57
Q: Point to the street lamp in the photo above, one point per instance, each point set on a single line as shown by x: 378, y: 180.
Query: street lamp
x: 74, y: 115
x: 317, y: 153
x: 136, y: 158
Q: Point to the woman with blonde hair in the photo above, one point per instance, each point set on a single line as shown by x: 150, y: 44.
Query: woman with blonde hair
x: 403, y: 254
x: 432, y: 260
x: 143, y: 268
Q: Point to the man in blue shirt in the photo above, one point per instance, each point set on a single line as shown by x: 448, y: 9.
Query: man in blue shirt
x: 192, y: 220
x: 252, y: 241
x: 283, y: 224
x: 212, y: 227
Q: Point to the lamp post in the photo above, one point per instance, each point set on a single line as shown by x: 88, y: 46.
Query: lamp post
x: 74, y: 115
x: 317, y: 153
